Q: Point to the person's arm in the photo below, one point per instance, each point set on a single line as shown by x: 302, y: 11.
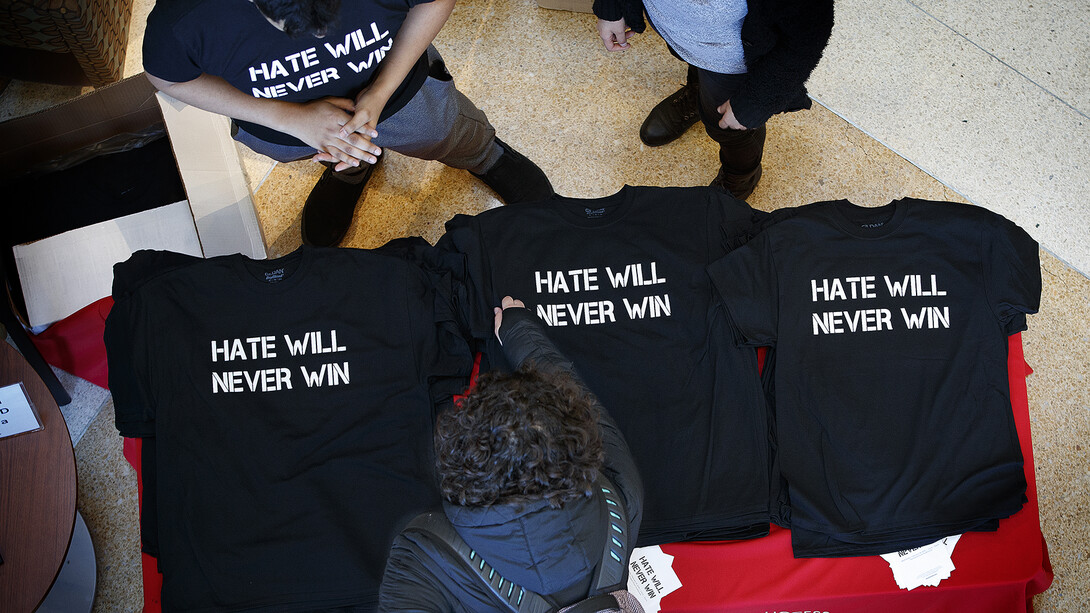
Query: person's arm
x: 802, y: 29
x: 408, y: 585
x: 423, y: 576
x: 523, y: 339
x: 417, y: 32
x: 317, y: 123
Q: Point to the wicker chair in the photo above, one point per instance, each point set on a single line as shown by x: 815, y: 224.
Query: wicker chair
x: 71, y: 42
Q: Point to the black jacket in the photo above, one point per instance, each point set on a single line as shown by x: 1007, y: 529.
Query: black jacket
x: 549, y: 551
x: 782, y: 40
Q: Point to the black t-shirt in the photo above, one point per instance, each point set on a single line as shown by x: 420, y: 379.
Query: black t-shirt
x: 231, y: 39
x: 291, y: 401
x: 892, y: 400
x: 621, y: 284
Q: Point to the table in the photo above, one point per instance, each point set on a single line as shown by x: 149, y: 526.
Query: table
x: 37, y: 494
x: 997, y: 572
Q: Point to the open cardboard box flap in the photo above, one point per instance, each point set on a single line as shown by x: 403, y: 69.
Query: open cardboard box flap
x: 221, y: 218
x: 129, y: 106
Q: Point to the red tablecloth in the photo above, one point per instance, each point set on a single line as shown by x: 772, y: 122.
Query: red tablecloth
x: 74, y: 344
x: 997, y: 572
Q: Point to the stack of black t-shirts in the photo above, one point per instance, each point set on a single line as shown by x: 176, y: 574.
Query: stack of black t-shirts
x: 621, y: 284
x: 291, y: 403
x: 893, y: 414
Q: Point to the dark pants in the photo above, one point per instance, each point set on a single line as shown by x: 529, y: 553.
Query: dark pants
x: 740, y: 151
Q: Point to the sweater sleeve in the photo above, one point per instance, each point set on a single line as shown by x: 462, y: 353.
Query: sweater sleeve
x: 524, y: 339
x: 408, y: 585
x: 630, y: 10
x: 800, y: 30
x: 420, y: 578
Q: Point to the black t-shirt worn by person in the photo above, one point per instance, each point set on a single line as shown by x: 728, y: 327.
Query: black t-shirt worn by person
x: 892, y: 401
x: 620, y: 283
x: 232, y: 39
x: 291, y: 405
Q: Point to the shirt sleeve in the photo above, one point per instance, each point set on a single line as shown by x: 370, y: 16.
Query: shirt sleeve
x: 419, y: 578
x: 629, y: 10
x: 164, y: 54
x: 746, y: 282
x: 463, y: 236
x: 125, y: 352
x: 128, y: 337
x: 444, y: 355
x: 1012, y: 273
x: 737, y: 221
x: 408, y: 585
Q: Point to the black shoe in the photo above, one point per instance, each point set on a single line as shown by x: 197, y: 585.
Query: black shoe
x: 739, y: 187
x: 331, y: 204
x: 515, y: 178
x: 672, y: 117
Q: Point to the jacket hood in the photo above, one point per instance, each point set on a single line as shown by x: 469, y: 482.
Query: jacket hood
x: 543, y: 549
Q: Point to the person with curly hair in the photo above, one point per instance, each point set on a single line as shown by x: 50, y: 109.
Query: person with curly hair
x: 334, y: 81
x: 521, y: 462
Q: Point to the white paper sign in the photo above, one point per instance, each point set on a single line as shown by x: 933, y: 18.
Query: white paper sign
x: 16, y: 414
x: 651, y: 576
x: 927, y: 565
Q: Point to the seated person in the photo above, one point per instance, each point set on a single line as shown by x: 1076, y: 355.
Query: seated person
x: 336, y: 82
x: 525, y: 465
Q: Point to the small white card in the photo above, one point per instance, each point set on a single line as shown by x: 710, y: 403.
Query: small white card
x: 17, y: 415
x: 927, y: 565
x: 651, y: 576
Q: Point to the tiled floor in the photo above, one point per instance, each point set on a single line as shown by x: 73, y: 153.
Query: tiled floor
x: 988, y: 96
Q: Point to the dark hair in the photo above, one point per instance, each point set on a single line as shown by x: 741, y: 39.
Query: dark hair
x: 518, y: 437
x: 301, y: 16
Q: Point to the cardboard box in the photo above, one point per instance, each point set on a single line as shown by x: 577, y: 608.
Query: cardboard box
x: 579, y: 6
x: 221, y: 218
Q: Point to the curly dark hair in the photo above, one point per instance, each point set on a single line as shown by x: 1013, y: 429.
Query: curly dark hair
x: 517, y: 437
x: 301, y: 16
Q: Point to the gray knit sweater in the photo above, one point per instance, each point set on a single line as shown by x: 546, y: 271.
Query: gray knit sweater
x: 705, y: 33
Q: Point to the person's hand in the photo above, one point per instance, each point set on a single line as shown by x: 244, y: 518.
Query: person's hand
x: 367, y: 110
x: 729, y: 121
x: 615, y: 34
x: 506, y: 303
x: 318, y: 124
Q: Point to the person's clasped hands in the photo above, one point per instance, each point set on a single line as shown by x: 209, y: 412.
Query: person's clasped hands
x: 350, y: 145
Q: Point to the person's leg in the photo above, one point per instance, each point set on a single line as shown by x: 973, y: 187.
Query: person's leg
x: 332, y: 201
x: 440, y: 123
x: 740, y: 151
x: 674, y: 115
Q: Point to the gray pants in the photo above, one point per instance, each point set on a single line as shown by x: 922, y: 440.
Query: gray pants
x: 438, y: 123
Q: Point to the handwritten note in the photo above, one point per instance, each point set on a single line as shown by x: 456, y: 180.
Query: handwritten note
x: 651, y: 577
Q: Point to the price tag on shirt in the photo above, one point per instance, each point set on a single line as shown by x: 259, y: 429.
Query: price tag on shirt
x: 17, y: 415
x: 651, y: 576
